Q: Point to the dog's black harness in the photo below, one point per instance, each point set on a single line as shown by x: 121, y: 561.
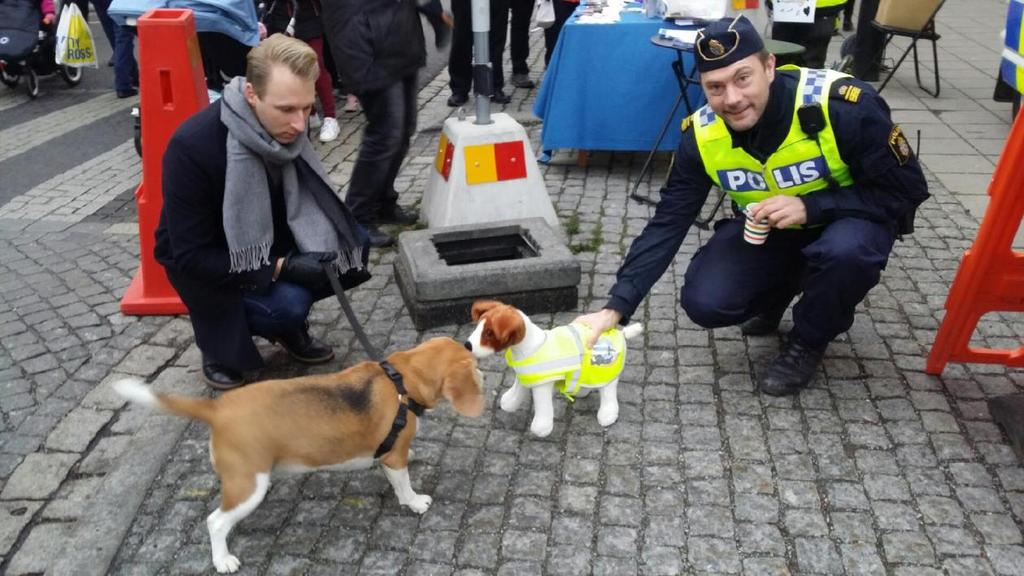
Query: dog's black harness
x: 404, y: 405
x: 404, y: 402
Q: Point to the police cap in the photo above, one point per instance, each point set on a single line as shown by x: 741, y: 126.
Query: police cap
x: 726, y: 41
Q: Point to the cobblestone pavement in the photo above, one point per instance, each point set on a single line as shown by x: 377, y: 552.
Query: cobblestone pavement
x: 877, y: 469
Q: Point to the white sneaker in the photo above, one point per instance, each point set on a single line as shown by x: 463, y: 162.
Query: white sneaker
x: 330, y: 131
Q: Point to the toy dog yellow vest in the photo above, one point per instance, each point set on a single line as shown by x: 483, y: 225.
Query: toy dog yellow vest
x: 796, y: 168
x: 564, y: 359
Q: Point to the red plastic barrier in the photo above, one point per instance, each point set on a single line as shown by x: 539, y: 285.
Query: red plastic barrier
x: 171, y: 88
x: 991, y: 274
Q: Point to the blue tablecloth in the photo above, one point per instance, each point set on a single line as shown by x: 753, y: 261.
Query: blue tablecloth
x: 608, y: 88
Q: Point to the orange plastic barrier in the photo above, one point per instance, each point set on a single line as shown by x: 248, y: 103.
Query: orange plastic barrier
x: 171, y: 88
x: 991, y: 274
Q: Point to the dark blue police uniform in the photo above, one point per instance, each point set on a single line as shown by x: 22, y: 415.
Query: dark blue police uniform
x: 834, y: 260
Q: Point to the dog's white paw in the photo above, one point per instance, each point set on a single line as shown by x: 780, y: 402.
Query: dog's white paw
x: 419, y: 503
x: 607, y: 415
x: 510, y: 400
x: 227, y: 564
x: 541, y: 428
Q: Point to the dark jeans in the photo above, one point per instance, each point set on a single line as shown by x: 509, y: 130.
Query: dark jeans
x: 562, y: 12
x: 390, y: 124
x: 519, y: 35
x: 223, y: 58
x: 867, y: 52
x: 814, y: 37
x: 730, y: 281
x: 460, y: 58
x: 282, y: 309
x: 848, y: 10
x: 105, y: 21
x: 126, y: 69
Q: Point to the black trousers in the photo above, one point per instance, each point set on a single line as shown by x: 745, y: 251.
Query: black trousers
x: 519, y: 35
x: 460, y: 58
x: 814, y: 37
x: 563, y: 10
x: 390, y: 124
x: 730, y: 281
x: 867, y: 52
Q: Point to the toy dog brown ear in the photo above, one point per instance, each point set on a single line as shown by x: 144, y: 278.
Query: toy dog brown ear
x: 462, y: 388
x: 481, y: 307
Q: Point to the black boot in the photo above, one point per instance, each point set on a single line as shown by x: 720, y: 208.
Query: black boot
x: 764, y: 323
x: 395, y: 214
x: 1008, y: 412
x: 792, y: 369
x: 304, y: 348
x: 378, y: 237
x: 220, y: 376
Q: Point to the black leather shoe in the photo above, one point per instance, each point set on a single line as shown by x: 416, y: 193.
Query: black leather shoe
x: 847, y: 26
x: 378, y: 237
x: 500, y: 97
x: 521, y: 81
x: 764, y: 323
x: 127, y: 93
x: 304, y: 348
x: 456, y: 100
x: 395, y: 214
x: 792, y: 369
x: 220, y: 376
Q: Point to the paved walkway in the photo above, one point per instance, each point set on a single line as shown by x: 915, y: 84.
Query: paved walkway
x: 877, y: 469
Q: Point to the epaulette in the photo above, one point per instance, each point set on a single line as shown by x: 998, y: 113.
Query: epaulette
x: 845, y: 89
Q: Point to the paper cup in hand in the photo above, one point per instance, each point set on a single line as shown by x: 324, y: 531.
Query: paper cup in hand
x: 755, y: 232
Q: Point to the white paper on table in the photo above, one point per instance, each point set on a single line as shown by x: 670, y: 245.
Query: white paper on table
x: 684, y: 36
x: 799, y: 11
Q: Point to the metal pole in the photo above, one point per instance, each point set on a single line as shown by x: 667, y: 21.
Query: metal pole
x: 482, y: 60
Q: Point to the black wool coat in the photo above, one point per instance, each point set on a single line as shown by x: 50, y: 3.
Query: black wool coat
x: 192, y: 247
x: 375, y: 43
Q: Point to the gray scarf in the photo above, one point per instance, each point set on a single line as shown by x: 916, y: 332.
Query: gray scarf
x: 248, y: 223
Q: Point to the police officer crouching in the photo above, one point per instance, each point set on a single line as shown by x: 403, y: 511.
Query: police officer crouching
x: 818, y: 153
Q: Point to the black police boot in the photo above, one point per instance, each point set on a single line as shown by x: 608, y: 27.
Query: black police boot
x: 304, y: 348
x: 1008, y: 412
x: 456, y: 100
x: 764, y: 323
x: 395, y: 214
x: 378, y: 237
x: 500, y: 97
x: 220, y: 376
x: 792, y: 369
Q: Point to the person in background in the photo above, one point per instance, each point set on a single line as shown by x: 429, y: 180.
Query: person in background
x: 302, y: 19
x: 379, y: 48
x: 811, y: 153
x: 848, y: 15
x: 439, y: 19
x: 249, y: 218
x: 460, y: 58
x: 563, y: 9
x: 47, y: 12
x: 814, y: 36
x: 519, y: 42
x: 869, y: 43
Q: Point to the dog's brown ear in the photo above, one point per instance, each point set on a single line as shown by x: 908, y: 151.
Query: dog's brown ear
x: 480, y: 307
x: 463, y: 389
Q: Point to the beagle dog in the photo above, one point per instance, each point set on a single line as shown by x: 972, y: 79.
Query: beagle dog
x: 543, y: 359
x: 338, y: 421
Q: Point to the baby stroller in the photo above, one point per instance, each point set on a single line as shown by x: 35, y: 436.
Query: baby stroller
x: 27, y: 49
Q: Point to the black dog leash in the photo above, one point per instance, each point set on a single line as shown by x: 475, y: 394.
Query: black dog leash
x: 405, y: 404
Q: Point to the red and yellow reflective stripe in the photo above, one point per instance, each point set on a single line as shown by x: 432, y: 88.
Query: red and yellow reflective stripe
x: 486, y: 163
x: 443, y: 158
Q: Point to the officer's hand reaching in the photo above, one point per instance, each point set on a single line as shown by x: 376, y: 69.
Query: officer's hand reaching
x: 604, y: 319
x: 304, y: 268
x: 781, y: 211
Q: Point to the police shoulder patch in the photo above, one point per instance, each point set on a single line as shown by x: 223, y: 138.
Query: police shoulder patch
x: 844, y: 90
x: 686, y: 123
x: 899, y: 145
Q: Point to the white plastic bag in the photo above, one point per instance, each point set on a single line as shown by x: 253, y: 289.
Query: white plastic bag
x: 699, y: 9
x: 74, y: 40
x: 544, y: 13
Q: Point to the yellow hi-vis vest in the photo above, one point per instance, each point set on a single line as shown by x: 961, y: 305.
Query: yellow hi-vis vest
x: 1011, y: 68
x: 796, y: 168
x: 564, y: 359
x: 829, y: 3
